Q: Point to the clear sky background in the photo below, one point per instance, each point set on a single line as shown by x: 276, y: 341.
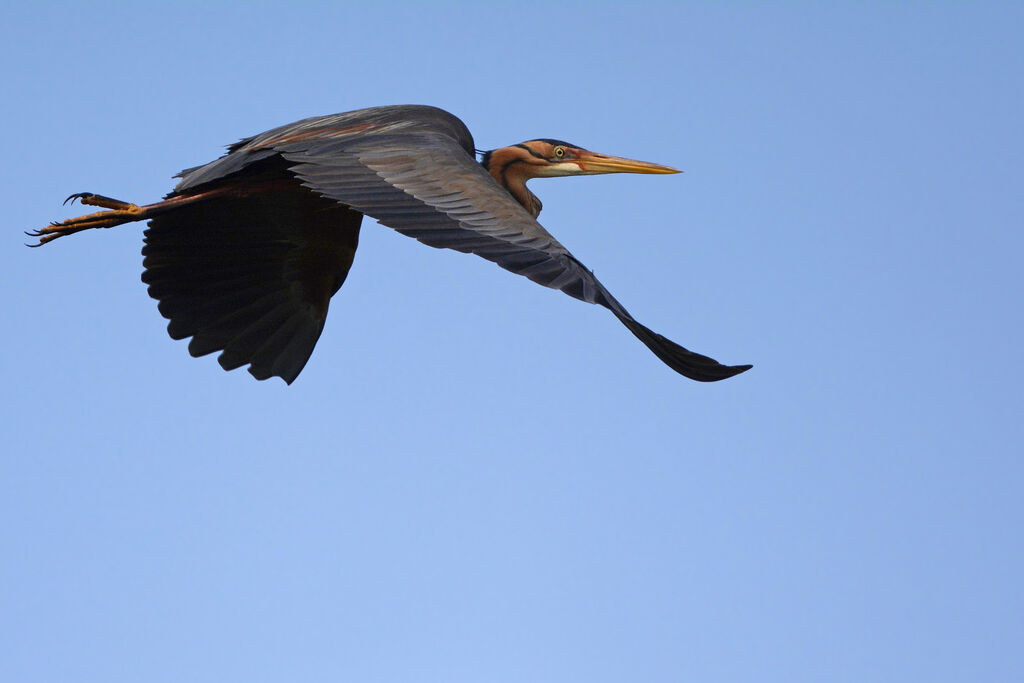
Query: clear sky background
x: 479, y: 479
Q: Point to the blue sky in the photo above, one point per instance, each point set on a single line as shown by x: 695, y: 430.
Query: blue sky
x: 479, y: 479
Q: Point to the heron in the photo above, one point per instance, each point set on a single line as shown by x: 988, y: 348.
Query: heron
x: 244, y: 255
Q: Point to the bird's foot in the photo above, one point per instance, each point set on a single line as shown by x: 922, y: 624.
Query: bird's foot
x: 120, y: 212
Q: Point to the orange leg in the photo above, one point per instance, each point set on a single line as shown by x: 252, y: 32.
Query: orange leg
x: 122, y: 212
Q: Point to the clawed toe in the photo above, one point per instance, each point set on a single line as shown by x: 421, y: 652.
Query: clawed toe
x: 77, y: 195
x: 93, y: 199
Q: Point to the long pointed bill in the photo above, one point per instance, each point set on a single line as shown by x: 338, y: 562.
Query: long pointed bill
x: 594, y: 162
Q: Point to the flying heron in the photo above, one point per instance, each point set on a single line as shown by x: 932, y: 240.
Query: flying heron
x: 247, y: 251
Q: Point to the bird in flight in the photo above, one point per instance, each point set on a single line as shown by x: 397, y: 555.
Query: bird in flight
x: 247, y: 251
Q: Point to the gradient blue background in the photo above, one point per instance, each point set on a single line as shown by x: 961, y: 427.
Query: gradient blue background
x: 476, y: 478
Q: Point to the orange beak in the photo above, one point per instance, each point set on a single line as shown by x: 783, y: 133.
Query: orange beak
x: 591, y: 163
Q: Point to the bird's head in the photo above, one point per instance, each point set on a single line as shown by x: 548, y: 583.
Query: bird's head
x: 513, y: 166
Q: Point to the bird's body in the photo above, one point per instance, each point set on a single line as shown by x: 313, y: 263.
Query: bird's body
x: 247, y: 251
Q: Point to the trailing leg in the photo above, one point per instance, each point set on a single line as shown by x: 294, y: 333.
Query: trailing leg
x: 118, y: 213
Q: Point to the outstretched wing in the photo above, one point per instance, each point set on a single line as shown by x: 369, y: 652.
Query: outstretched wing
x: 251, y: 274
x: 413, y: 169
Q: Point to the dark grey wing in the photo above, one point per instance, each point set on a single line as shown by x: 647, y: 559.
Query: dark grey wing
x: 251, y: 274
x: 431, y: 190
x: 412, y: 168
x: 436, y: 193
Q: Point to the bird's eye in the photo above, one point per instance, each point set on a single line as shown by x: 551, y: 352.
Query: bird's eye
x: 559, y: 152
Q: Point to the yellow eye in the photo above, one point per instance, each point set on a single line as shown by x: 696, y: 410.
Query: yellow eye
x: 559, y: 152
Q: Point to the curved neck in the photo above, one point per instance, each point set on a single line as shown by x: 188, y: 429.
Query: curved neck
x: 512, y: 167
